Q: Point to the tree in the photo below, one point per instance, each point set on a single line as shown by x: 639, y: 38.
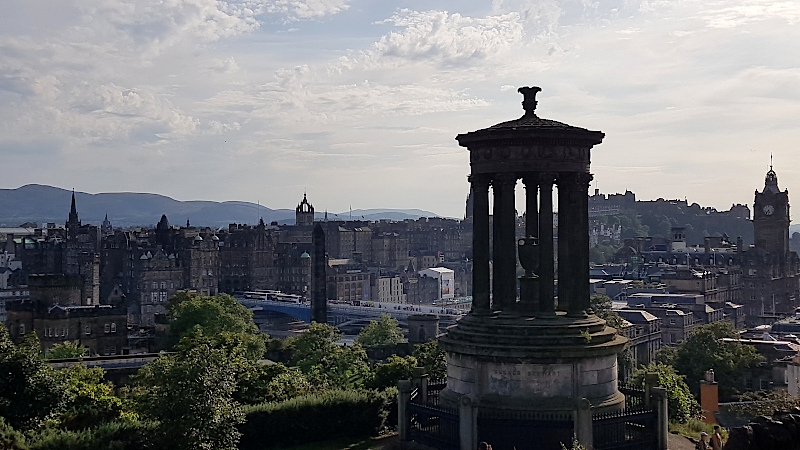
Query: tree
x: 707, y: 349
x: 318, y: 356
x: 29, y: 387
x: 383, y: 332
x: 681, y: 403
x: 395, y: 369
x: 214, y: 317
x: 190, y: 394
x: 89, y: 400
x: 69, y: 349
x: 430, y: 356
x: 271, y: 383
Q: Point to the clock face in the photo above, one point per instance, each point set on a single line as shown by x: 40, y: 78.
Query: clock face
x: 769, y: 209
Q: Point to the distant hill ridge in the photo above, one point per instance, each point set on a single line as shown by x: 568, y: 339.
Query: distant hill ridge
x: 42, y: 204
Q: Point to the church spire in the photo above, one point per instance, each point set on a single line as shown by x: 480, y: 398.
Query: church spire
x: 73, y: 211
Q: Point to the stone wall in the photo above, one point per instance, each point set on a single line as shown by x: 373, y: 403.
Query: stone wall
x: 781, y: 431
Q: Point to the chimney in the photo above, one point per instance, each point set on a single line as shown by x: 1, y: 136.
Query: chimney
x: 709, y: 397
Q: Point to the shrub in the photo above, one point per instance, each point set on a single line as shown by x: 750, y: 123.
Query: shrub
x: 118, y: 435
x: 313, y: 418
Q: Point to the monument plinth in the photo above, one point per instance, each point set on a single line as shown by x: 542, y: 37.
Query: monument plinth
x: 515, y: 355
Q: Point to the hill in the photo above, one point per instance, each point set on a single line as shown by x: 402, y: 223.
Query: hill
x: 42, y: 204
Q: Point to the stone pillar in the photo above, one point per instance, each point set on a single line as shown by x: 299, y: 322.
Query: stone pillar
x: 319, y: 295
x: 480, y: 245
x: 467, y: 424
x: 504, y: 281
x: 546, y: 265
x: 580, y: 236
x: 566, y: 247
x: 662, y: 414
x: 404, y: 389
x: 583, y: 424
x: 528, y: 250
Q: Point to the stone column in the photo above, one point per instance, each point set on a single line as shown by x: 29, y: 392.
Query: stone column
x: 566, y: 247
x: 504, y: 283
x: 467, y: 424
x: 404, y: 389
x: 581, y: 239
x: 546, y: 265
x: 480, y: 245
x: 584, y: 433
x: 528, y: 249
x: 662, y: 414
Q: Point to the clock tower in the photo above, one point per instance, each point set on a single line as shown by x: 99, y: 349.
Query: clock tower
x: 771, y: 217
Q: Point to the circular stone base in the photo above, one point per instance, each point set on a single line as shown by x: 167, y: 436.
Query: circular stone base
x: 532, y: 364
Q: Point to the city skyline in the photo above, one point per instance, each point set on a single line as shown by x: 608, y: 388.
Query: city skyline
x: 359, y: 103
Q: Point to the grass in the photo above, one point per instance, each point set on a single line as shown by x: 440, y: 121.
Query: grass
x: 693, y: 427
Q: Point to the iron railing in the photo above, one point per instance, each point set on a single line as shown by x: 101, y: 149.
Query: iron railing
x: 630, y: 429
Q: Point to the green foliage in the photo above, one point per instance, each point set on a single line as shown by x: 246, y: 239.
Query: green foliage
x: 430, y: 356
x: 89, y: 400
x: 395, y: 369
x: 11, y: 439
x: 271, y: 383
x: 763, y: 403
x: 328, y: 415
x: 69, y: 349
x: 117, y: 435
x: 29, y: 388
x: 220, y: 317
x: 705, y: 349
x: 601, y: 254
x: 602, y: 306
x: 383, y: 332
x: 319, y: 357
x: 190, y: 394
x: 680, y: 401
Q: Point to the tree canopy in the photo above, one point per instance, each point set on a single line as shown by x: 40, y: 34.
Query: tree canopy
x: 706, y: 349
x: 220, y: 318
x: 382, y: 332
x: 29, y: 387
x: 680, y: 401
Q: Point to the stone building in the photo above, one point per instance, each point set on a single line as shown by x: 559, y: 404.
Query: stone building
x: 770, y: 271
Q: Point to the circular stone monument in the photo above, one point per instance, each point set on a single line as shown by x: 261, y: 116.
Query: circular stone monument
x: 512, y: 356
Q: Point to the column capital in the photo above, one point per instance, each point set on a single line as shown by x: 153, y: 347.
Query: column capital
x: 504, y: 178
x: 547, y: 177
x: 479, y: 179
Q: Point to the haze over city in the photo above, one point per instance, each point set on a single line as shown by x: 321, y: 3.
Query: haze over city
x: 358, y: 103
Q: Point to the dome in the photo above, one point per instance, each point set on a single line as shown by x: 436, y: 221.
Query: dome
x: 305, y: 255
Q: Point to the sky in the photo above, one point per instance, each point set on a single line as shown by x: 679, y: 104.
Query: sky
x: 358, y: 102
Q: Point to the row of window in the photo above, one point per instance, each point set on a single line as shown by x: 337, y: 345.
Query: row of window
x: 64, y: 330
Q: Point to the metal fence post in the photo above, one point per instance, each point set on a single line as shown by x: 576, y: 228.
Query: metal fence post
x: 662, y: 413
x: 404, y: 389
x: 583, y: 424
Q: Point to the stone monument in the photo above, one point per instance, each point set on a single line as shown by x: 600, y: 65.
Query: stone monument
x: 517, y: 356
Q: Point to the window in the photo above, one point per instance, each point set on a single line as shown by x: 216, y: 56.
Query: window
x: 163, y: 285
x: 87, y: 330
x: 22, y: 328
x: 162, y: 296
x: 672, y: 321
x: 155, y: 297
x: 107, y: 328
x: 113, y: 327
x: 155, y: 285
x: 64, y: 331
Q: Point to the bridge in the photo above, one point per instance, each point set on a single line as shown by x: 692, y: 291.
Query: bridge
x: 345, y: 314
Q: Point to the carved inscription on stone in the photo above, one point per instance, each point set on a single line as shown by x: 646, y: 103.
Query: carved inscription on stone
x: 551, y: 380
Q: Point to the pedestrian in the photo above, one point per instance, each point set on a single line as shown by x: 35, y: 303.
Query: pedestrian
x: 483, y: 445
x: 702, y: 444
x: 716, y: 439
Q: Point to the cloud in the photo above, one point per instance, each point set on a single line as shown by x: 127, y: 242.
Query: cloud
x: 436, y: 36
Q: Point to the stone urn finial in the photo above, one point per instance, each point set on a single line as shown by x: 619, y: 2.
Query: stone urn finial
x: 529, y: 99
